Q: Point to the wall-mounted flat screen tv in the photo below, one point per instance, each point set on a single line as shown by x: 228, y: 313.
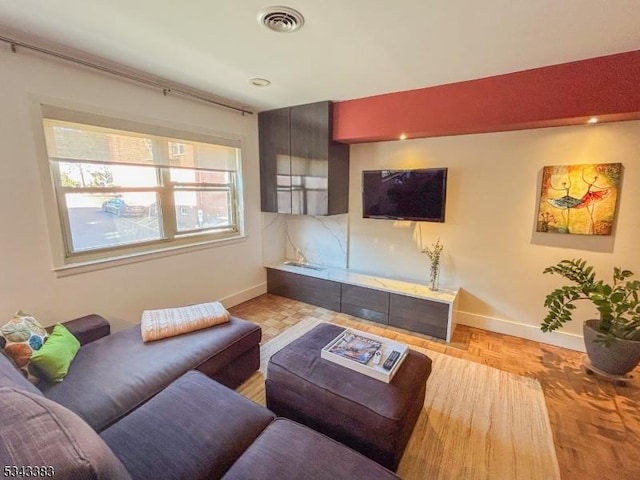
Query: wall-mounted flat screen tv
x: 405, y: 194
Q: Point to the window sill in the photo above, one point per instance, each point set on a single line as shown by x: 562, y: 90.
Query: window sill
x: 104, y: 263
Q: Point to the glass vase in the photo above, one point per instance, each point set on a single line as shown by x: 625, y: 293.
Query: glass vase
x: 433, y: 277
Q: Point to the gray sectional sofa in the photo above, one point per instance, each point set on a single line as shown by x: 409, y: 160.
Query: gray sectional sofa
x: 155, y: 411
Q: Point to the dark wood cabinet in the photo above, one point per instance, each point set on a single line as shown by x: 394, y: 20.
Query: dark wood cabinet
x: 316, y: 291
x: 274, y: 144
x: 365, y: 303
x: 302, y: 170
x: 418, y: 315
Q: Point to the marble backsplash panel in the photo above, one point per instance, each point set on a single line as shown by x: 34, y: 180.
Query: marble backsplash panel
x: 274, y: 247
x: 320, y: 240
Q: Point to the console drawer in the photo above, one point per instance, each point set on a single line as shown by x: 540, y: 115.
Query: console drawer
x: 365, y: 303
x: 419, y: 315
x: 316, y: 291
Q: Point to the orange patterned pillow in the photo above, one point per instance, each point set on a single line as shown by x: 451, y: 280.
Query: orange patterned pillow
x: 19, y: 338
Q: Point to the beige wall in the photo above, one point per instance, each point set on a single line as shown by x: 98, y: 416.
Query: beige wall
x: 27, y: 280
x: 492, y: 252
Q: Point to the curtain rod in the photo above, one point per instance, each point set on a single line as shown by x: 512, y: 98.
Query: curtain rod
x: 165, y: 89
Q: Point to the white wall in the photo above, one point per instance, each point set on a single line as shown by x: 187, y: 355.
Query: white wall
x: 492, y: 251
x: 27, y: 281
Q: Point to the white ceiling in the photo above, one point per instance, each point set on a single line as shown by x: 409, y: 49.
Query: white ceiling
x: 346, y: 49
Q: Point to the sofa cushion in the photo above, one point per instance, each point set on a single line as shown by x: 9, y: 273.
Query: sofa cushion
x: 288, y: 450
x: 52, y: 440
x: 115, y: 374
x: 194, y: 429
x: 20, y: 337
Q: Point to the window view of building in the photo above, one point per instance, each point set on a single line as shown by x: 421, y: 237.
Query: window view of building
x: 118, y: 189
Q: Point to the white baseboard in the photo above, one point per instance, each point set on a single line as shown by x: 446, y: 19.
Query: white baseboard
x: 244, y: 295
x: 530, y: 332
x: 506, y: 327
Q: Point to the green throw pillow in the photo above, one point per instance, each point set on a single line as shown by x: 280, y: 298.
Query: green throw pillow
x: 55, y: 356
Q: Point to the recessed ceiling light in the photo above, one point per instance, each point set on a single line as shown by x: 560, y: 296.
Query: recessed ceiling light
x: 259, y: 82
x: 281, y: 19
x: 593, y: 120
x: 403, y: 136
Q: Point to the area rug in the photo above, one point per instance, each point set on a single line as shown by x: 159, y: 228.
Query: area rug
x: 477, y: 423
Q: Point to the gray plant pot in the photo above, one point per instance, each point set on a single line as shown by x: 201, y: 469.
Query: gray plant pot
x: 620, y: 358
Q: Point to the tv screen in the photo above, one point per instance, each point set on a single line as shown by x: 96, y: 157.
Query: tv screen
x: 405, y: 194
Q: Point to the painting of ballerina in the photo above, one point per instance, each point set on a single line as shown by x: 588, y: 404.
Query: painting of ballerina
x: 579, y: 199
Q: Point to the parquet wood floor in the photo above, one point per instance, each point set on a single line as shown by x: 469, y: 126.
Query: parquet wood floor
x: 596, y: 424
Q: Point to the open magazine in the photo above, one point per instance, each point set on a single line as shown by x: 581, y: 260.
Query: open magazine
x: 355, y: 347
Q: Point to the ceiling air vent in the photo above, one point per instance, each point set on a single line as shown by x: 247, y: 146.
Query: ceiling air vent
x: 281, y: 19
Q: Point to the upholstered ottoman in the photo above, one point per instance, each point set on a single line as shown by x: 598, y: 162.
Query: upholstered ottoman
x: 370, y: 416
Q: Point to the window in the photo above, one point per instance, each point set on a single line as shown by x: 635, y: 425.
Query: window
x: 121, y: 191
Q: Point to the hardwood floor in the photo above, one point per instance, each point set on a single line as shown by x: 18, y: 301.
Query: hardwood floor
x: 596, y: 425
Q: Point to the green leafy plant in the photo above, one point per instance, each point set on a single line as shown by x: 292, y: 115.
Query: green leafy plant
x: 433, y: 254
x: 617, y: 304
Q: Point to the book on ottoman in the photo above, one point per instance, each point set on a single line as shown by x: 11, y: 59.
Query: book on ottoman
x: 366, y: 353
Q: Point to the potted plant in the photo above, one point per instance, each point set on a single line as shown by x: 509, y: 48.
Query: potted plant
x: 613, y: 340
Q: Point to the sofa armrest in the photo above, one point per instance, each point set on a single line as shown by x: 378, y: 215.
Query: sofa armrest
x: 88, y: 328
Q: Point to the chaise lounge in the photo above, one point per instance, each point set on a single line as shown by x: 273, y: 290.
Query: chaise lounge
x: 113, y: 374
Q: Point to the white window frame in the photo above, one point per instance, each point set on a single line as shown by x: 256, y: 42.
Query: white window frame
x: 67, y: 261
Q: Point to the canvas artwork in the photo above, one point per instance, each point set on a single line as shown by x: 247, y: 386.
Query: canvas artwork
x: 579, y: 199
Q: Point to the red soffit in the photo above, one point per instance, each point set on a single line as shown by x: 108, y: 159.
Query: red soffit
x: 567, y: 94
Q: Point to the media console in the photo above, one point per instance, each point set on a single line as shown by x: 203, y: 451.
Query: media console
x: 391, y: 302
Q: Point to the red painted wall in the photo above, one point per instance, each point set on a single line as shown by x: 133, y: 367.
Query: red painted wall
x: 567, y: 94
